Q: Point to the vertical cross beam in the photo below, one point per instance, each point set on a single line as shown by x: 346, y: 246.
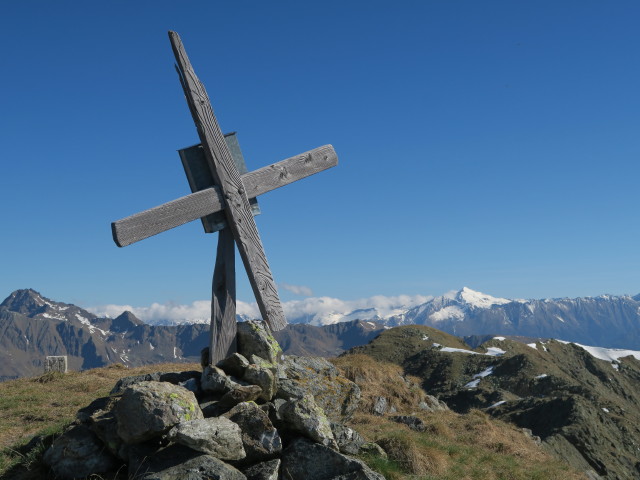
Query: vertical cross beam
x: 237, y: 208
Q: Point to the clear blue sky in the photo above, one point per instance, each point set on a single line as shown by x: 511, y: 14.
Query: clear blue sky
x: 492, y: 144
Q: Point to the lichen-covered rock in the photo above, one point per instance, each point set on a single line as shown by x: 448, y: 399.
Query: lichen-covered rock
x: 259, y: 437
x: 214, y: 380
x: 177, y: 462
x: 149, y: 409
x: 255, y: 338
x: 336, y: 395
x: 372, y: 448
x: 264, y: 378
x: 216, y: 436
x: 268, y: 470
x: 349, y: 441
x: 303, y: 459
x: 235, y: 365
x: 305, y: 417
x: 78, y: 453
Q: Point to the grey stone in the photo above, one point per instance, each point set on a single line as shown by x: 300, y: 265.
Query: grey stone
x: 255, y: 338
x: 259, y: 437
x: 212, y: 408
x: 177, y: 462
x: 217, y: 436
x: 414, y: 423
x: 204, y: 357
x: 234, y: 365
x: 78, y: 453
x: 372, y: 448
x: 56, y: 363
x: 305, y: 417
x: 380, y: 406
x: 336, y: 395
x: 192, y: 385
x: 264, y: 378
x: 171, y: 377
x: 149, y: 409
x: 214, y: 380
x: 432, y: 404
x: 289, y: 389
x: 239, y: 394
x: 349, y: 441
x: 268, y: 470
x: 178, y: 377
x: 122, y: 384
x: 303, y: 459
x: 105, y: 426
x: 137, y: 456
x: 103, y: 403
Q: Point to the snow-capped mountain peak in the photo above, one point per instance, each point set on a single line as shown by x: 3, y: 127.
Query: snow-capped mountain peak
x: 478, y: 299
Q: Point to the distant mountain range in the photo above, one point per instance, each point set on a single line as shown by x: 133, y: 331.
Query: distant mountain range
x: 32, y: 327
x: 607, y: 320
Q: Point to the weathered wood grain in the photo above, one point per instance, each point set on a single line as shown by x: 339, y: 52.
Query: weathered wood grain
x: 209, y: 201
x: 222, y: 340
x: 166, y: 216
x: 238, y: 211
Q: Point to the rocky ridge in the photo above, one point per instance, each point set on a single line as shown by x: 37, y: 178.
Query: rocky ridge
x: 255, y: 417
x: 582, y: 408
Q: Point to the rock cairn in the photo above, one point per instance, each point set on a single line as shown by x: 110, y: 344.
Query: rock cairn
x: 256, y: 415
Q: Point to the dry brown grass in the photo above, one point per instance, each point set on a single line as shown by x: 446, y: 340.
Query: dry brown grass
x: 50, y: 401
x: 453, y: 446
x: 381, y: 379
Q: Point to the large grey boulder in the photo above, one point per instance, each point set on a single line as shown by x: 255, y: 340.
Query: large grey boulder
x: 259, y: 437
x: 268, y: 470
x: 216, y: 436
x: 303, y: 459
x: 177, y: 462
x: 255, y: 338
x: 306, y: 418
x: 335, y: 394
x: 149, y: 409
x: 77, y: 454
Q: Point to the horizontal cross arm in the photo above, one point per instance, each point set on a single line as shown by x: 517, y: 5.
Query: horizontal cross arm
x: 205, y: 202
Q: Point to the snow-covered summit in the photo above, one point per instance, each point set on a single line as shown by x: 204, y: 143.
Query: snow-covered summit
x: 478, y: 299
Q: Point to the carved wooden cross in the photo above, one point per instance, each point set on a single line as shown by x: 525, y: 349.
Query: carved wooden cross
x: 227, y: 191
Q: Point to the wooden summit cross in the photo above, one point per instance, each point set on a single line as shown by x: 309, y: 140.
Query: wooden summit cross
x: 221, y: 199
